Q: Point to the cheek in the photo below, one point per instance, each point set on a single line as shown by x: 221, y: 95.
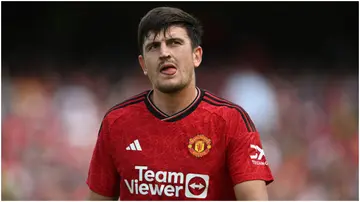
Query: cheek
x: 187, y: 59
x: 150, y: 65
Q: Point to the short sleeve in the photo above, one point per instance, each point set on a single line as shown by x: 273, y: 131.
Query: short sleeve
x: 103, y: 177
x: 245, y: 156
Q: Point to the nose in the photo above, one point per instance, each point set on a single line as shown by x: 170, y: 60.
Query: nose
x: 164, y: 51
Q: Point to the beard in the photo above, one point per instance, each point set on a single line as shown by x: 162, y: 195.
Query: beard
x: 170, y: 88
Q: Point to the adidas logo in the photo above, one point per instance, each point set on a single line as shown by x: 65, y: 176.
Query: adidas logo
x: 135, y: 146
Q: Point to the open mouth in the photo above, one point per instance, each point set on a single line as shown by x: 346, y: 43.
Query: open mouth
x: 168, y: 69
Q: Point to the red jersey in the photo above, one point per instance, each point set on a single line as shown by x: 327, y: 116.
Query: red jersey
x: 200, y: 152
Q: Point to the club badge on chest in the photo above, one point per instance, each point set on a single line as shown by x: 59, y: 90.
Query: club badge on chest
x: 199, y: 145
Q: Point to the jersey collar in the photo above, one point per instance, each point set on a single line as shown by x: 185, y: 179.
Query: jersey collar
x: 177, y: 116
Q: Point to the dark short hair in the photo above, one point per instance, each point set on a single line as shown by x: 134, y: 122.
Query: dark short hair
x: 161, y: 18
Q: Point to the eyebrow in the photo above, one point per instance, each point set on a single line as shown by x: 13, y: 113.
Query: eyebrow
x: 151, y: 43
x: 175, y: 39
x: 167, y: 40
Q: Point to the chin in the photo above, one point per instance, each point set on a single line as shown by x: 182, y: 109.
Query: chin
x: 172, y: 88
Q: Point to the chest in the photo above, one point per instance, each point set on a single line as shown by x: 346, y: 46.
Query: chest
x: 188, y: 146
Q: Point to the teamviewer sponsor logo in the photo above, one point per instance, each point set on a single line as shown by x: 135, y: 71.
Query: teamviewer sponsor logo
x: 196, y: 185
x: 167, y: 183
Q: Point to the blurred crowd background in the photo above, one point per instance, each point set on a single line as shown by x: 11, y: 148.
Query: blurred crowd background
x: 293, y: 66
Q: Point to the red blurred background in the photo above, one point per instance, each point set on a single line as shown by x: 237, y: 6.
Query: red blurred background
x: 293, y: 66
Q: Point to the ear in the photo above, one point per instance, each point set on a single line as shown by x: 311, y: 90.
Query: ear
x: 197, y: 56
x: 142, y: 64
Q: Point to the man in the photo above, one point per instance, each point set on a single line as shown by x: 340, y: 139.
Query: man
x: 176, y: 142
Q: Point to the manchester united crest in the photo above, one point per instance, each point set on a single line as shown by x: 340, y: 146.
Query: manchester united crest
x: 199, y: 145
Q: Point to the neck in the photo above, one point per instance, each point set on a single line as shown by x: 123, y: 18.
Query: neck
x: 174, y: 102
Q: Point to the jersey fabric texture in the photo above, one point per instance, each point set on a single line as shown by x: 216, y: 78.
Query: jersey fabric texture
x: 199, y: 153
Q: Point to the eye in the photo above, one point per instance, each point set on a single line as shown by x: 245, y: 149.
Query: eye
x: 152, y: 46
x: 176, y: 42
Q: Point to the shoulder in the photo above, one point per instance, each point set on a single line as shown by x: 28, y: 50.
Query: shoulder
x: 229, y: 111
x: 126, y: 106
x: 222, y: 105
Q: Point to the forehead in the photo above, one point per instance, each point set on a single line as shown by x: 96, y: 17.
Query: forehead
x: 171, y: 32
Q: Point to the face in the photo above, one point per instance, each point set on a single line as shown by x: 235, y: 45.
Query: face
x: 169, y: 60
